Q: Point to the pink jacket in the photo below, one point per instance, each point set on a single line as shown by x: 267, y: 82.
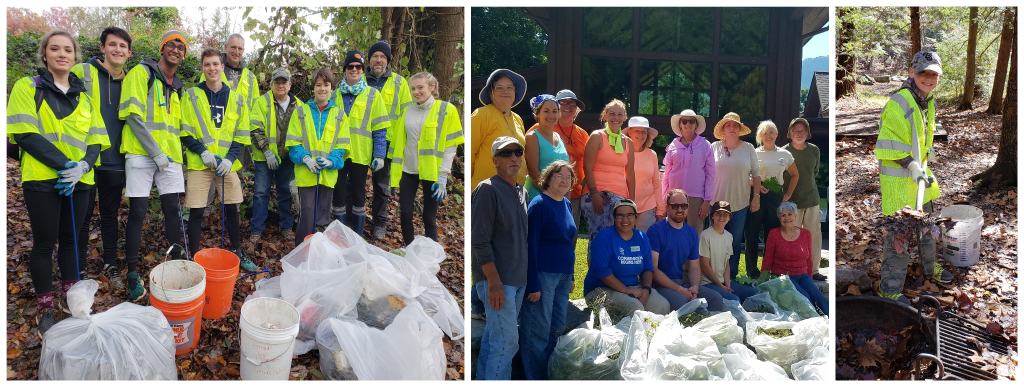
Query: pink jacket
x: 690, y: 168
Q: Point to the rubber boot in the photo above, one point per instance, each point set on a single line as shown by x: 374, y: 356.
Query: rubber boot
x: 339, y: 214
x: 360, y: 223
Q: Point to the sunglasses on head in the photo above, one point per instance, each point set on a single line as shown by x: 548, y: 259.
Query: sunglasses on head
x: 510, y: 152
x: 354, y: 67
x: 690, y: 121
x: 679, y: 206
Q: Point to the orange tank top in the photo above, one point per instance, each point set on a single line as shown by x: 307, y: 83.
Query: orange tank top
x: 610, y: 168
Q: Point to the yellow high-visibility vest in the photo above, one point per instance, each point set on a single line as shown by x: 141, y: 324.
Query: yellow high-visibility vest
x: 441, y: 129
x: 161, y: 115
x: 247, y: 85
x: 197, y: 123
x: 72, y: 135
x: 903, y: 132
x: 263, y: 116
x: 302, y: 131
x: 368, y: 114
x: 395, y: 95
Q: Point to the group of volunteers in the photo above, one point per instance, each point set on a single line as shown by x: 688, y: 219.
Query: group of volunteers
x: 648, y: 248
x: 100, y: 127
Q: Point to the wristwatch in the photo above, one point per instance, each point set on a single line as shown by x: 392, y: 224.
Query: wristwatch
x: 646, y: 287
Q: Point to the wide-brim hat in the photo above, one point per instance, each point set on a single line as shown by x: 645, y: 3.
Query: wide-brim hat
x: 688, y: 113
x: 641, y: 122
x: 518, y: 80
x: 568, y: 94
x: 744, y: 130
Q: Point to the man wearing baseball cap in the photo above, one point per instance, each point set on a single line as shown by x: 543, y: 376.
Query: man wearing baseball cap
x: 904, y: 152
x: 499, y: 258
x: 575, y: 139
x: 269, y: 119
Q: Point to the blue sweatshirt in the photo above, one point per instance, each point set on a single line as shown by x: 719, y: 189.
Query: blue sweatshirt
x: 297, y: 152
x: 551, y: 242
x: 611, y: 255
x: 675, y: 247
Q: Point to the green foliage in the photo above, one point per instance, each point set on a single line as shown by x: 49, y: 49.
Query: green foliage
x: 803, y: 98
x: 506, y: 38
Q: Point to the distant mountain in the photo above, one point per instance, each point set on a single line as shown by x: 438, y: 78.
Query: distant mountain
x: 809, y: 66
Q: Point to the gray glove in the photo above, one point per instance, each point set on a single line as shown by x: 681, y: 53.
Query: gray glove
x: 377, y: 163
x: 311, y: 164
x: 272, y: 161
x: 162, y: 161
x: 224, y: 167
x: 71, y: 176
x: 916, y: 172
x: 209, y: 159
x: 324, y: 163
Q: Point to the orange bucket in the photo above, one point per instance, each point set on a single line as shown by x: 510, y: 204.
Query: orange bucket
x: 177, y: 289
x: 221, y: 272
x: 308, y: 236
x: 185, y: 321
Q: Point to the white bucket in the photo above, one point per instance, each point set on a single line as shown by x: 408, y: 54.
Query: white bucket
x: 963, y: 242
x: 269, y: 327
x: 177, y: 282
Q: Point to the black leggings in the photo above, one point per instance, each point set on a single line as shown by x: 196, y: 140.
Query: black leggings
x: 137, y: 208
x: 50, y: 217
x: 110, y: 186
x: 195, y: 228
x: 350, y: 191
x: 406, y: 201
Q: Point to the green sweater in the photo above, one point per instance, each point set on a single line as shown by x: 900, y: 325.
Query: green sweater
x: 807, y: 162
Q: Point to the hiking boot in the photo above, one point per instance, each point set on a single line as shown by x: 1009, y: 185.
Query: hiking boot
x: 288, y: 235
x: 379, y: 231
x: 135, y: 288
x: 254, y: 238
x: 45, y: 321
x: 940, y: 274
x: 898, y: 297
x: 245, y: 263
x: 110, y: 273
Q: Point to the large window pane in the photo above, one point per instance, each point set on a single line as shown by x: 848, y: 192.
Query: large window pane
x: 745, y: 31
x: 685, y: 30
x: 608, y: 28
x: 667, y: 88
x: 742, y: 89
x: 605, y: 79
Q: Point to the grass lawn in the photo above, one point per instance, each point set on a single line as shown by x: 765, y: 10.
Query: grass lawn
x: 581, y: 268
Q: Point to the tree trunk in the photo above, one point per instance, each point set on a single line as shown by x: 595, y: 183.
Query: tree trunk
x: 995, y: 104
x: 450, y: 28
x: 1003, y: 174
x: 846, y: 84
x: 386, y: 24
x: 972, y: 48
x: 915, y: 32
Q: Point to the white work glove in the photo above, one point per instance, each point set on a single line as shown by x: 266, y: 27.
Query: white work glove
x: 916, y: 172
x: 272, y: 161
x: 439, y: 187
x: 377, y: 164
x: 162, y: 161
x: 71, y: 176
x: 324, y: 163
x: 223, y: 166
x: 311, y: 164
x: 931, y: 155
x: 209, y: 159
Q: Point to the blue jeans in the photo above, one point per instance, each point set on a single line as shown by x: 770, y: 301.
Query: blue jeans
x: 676, y: 300
x: 740, y: 292
x: 500, y: 340
x: 735, y: 227
x: 261, y: 199
x: 805, y: 284
x: 541, y: 323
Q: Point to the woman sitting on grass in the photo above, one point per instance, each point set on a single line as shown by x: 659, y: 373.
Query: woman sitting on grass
x: 788, y: 251
x: 715, y: 249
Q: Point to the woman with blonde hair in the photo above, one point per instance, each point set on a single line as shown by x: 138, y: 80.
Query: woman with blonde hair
x: 772, y: 162
x: 690, y: 166
x: 423, y: 143
x: 608, y: 158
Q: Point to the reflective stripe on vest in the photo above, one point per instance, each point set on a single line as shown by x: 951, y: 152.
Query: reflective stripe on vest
x: 57, y: 138
x: 395, y: 109
x: 915, y: 146
x: 441, y: 113
x: 364, y: 128
x: 87, y: 76
x: 207, y: 139
x: 150, y: 107
x: 305, y: 136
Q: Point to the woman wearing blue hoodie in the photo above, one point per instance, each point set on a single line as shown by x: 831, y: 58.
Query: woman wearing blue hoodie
x: 317, y: 145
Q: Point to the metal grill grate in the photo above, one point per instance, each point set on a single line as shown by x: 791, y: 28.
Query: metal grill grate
x: 955, y: 335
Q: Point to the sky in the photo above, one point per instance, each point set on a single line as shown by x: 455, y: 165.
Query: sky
x: 818, y: 45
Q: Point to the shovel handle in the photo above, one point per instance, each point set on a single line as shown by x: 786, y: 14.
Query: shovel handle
x: 920, y: 194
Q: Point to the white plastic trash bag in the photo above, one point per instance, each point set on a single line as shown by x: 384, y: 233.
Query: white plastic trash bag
x: 785, y: 351
x: 734, y: 307
x: 744, y: 365
x: 761, y: 303
x: 676, y: 353
x: 722, y: 328
x: 586, y: 354
x: 322, y: 294
x: 408, y: 349
x: 127, y: 342
x: 266, y: 287
x: 642, y: 328
x: 783, y: 291
x: 814, y: 367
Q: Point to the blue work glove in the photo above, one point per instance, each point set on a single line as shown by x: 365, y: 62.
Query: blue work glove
x: 324, y: 163
x: 71, y: 176
x: 209, y: 159
x: 272, y: 161
x: 377, y: 164
x: 162, y: 161
x: 439, y: 187
x: 311, y: 164
x: 223, y: 166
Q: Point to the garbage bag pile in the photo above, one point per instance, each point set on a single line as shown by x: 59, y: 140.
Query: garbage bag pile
x: 743, y: 342
x: 127, y: 342
x: 367, y: 310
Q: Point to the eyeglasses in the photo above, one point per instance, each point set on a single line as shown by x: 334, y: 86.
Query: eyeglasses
x: 176, y: 47
x: 679, y: 206
x: 503, y: 90
x: 628, y: 215
x: 691, y: 121
x: 354, y: 67
x: 567, y: 102
x: 561, y: 176
x: 510, y: 152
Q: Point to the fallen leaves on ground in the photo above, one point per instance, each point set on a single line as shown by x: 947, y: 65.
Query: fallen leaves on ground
x: 216, y: 357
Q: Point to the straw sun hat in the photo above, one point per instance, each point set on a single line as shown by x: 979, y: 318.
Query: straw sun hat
x: 744, y: 130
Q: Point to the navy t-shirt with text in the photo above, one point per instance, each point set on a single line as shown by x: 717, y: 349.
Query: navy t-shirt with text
x: 611, y: 255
